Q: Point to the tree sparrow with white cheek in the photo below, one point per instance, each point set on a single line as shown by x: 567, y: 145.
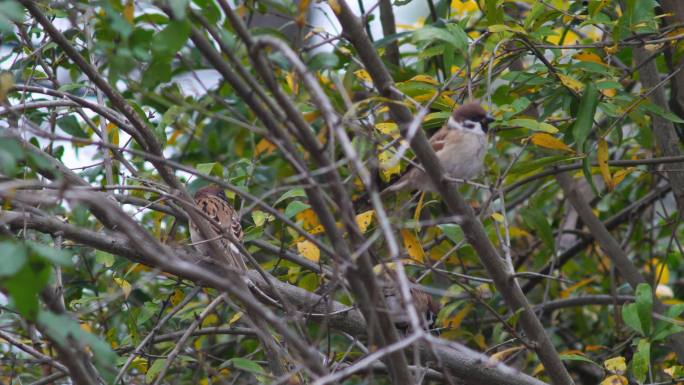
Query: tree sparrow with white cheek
x: 460, y: 146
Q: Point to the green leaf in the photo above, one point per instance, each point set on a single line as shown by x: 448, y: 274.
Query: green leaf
x: 70, y: 125
x: 171, y: 39
x: 170, y: 116
x: 532, y: 124
x: 64, y: 331
x: 104, y: 258
x: 244, y: 364
x: 178, y: 7
x: 433, y: 34
x: 585, y: 116
x: 25, y: 285
x: 453, y: 232
x: 50, y: 254
x: 213, y: 168
x: 576, y: 357
x: 659, y: 111
x: 11, y: 153
x: 294, y: 193
x: 323, y: 60
x: 631, y: 317
x: 644, y: 304
x: 524, y: 167
x: 538, y: 221
x: 154, y: 369
x: 641, y: 360
x: 12, y: 258
x: 10, y: 11
x: 294, y: 208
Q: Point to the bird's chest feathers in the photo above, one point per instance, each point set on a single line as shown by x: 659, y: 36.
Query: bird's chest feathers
x: 464, y: 154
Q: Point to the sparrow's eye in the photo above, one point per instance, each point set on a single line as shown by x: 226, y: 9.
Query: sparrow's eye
x: 468, y: 124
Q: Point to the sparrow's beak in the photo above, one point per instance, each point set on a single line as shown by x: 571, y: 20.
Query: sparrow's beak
x: 485, y: 122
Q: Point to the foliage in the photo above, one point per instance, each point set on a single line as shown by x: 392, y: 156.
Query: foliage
x: 563, y: 79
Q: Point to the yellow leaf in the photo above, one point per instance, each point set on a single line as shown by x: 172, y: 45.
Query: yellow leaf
x: 386, y: 172
x: 317, y: 230
x: 311, y: 116
x: 308, y: 218
x: 464, y: 6
x: 140, y: 364
x: 364, y: 219
x: 621, y: 174
x: 235, y: 318
x: 537, y: 370
x: 413, y: 247
x: 545, y: 140
x: 479, y: 340
x: 264, y: 147
x: 455, y: 321
x: 498, y: 217
x: 615, y: 365
x: 659, y: 271
x: 363, y: 75
x: 565, y: 293
x: 86, y: 327
x: 594, y: 348
x: 128, y: 11
x: 674, y: 371
x: 571, y: 82
x: 113, y: 132
x: 6, y: 83
x: 309, y: 250
x: 211, y: 319
x: 291, y: 79
x: 517, y: 232
x: 176, y: 297
x: 614, y: 380
x: 419, y: 207
x: 611, y: 50
x: 124, y: 285
x: 602, y: 157
x: 502, y: 355
x: 609, y: 92
x: 424, y: 79
x: 388, y: 128
x: 335, y: 6
x: 589, y: 57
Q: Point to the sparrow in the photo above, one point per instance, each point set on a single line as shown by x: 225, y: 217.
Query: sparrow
x: 212, y: 201
x: 460, y: 146
x: 426, y: 307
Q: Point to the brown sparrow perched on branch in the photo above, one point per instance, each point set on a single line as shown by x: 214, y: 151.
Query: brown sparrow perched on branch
x: 212, y: 201
x: 460, y: 145
x: 426, y: 307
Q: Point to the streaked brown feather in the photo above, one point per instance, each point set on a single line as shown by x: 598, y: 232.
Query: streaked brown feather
x: 224, y: 219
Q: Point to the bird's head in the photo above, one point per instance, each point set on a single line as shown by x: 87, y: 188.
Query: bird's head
x: 470, y: 117
x: 211, y: 190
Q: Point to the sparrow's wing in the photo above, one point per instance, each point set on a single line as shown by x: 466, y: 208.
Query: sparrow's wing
x: 226, y: 220
x: 438, y: 140
x: 221, y: 212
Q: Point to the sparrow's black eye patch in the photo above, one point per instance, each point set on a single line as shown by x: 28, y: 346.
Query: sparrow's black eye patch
x: 468, y: 124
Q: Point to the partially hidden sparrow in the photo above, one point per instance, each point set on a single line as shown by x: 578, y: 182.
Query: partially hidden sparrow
x: 212, y: 201
x: 460, y: 146
x: 426, y: 307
